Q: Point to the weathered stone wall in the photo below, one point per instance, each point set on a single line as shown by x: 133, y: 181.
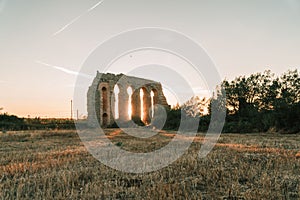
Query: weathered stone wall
x: 101, y: 98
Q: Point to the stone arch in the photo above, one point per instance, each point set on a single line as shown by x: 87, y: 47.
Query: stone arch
x: 100, y: 102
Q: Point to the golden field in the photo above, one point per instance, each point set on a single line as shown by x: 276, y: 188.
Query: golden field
x: 56, y: 165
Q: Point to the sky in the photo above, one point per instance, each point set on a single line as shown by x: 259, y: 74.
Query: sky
x: 44, y: 44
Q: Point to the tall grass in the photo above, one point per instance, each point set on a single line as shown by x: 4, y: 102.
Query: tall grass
x: 56, y: 165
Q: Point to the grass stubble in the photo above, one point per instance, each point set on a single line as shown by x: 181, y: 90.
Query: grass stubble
x: 56, y: 165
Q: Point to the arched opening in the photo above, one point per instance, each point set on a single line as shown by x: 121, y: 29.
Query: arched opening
x: 129, y: 92
x: 104, y: 99
x: 116, y: 103
x: 152, y: 104
x: 104, y: 119
x: 142, y: 103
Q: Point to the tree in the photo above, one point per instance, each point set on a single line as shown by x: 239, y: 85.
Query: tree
x: 290, y: 87
x: 287, y: 105
x: 196, y: 106
x: 261, y: 101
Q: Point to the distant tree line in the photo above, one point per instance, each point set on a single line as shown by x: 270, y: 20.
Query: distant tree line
x: 260, y: 102
x: 14, y: 123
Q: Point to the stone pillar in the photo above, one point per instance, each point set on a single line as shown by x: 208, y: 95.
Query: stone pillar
x: 136, y: 104
x: 155, y: 97
x: 112, y: 105
x: 104, y: 93
x: 147, y: 106
x: 161, y: 97
x: 123, y: 104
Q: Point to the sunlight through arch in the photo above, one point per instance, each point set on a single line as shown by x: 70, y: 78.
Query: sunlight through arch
x: 152, y: 103
x: 142, y: 103
x: 116, y: 92
x: 129, y: 92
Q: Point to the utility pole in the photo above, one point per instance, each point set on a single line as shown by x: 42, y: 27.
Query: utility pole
x: 71, y: 109
x: 77, y: 114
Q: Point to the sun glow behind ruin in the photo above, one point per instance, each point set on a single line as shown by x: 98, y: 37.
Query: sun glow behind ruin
x: 129, y: 91
x: 123, y: 98
x: 142, y: 103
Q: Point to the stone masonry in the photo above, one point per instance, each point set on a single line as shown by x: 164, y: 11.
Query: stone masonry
x: 101, y: 99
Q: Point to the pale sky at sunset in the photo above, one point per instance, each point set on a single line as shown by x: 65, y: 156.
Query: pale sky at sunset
x: 43, y: 44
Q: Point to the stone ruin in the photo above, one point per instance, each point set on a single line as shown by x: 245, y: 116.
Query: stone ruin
x: 123, y: 98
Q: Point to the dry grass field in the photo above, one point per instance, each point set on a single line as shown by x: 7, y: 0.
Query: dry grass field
x: 56, y: 165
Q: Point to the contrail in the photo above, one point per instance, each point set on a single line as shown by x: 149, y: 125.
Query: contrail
x: 63, y: 69
x: 93, y: 7
x: 77, y: 18
x: 66, y: 26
